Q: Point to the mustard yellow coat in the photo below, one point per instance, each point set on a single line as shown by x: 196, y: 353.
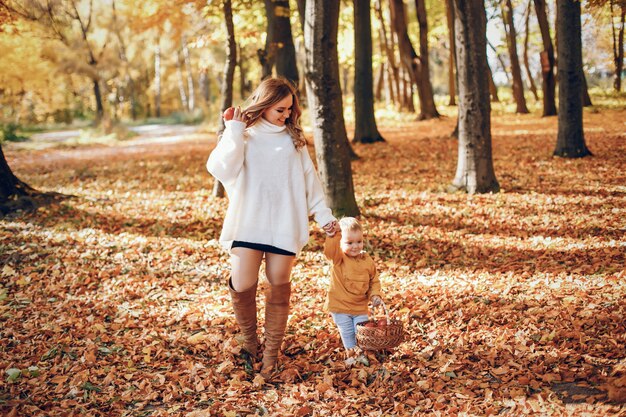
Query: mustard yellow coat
x: 354, y: 280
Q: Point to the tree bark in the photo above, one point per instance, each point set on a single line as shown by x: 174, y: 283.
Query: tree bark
x: 529, y: 74
x: 570, y: 138
x: 326, y: 107
x: 365, y: 129
x: 451, y: 45
x: 511, y: 36
x: 279, y: 48
x: 475, y: 173
x: 229, y: 75
x: 548, y: 84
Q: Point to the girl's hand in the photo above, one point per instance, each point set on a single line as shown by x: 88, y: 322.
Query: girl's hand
x: 376, y: 300
x: 233, y: 113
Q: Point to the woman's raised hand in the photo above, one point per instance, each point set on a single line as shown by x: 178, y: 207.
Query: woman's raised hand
x: 233, y: 113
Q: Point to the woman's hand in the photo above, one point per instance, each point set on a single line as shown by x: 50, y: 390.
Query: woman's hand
x: 331, y: 228
x: 233, y: 113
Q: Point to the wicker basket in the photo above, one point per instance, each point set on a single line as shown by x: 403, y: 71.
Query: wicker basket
x: 380, y: 337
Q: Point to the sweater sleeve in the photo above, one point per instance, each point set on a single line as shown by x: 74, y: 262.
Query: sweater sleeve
x: 332, y: 250
x: 374, y: 281
x: 316, y: 201
x: 226, y: 160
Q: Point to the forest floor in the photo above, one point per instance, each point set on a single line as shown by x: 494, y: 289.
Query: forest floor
x: 113, y: 302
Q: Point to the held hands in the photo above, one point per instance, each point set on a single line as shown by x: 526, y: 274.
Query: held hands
x: 331, y: 228
x: 233, y: 113
x: 376, y: 300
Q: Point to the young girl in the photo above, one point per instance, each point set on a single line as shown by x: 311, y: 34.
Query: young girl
x: 272, y: 186
x: 354, y: 281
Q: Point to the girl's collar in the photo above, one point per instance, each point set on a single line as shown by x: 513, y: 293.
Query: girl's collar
x: 264, y: 126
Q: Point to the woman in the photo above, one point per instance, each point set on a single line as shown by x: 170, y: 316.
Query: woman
x: 262, y: 161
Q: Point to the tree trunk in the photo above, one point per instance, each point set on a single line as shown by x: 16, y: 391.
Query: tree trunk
x: 570, y: 139
x: 157, y: 79
x: 548, y: 84
x: 326, y: 107
x: 529, y: 74
x: 191, y: 101
x: 14, y: 194
x: 393, y: 77
x: 205, y: 85
x: 98, y: 96
x: 365, y: 129
x: 511, y: 36
x: 229, y: 75
x: 279, y: 47
x: 380, y: 82
x: 501, y: 61
x: 451, y: 45
x: 427, y: 106
x: 181, y: 84
x: 493, y: 90
x: 618, y: 47
x: 585, y: 92
x: 475, y: 173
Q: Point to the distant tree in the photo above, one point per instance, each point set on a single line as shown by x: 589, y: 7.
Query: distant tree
x: 529, y: 74
x: 229, y: 74
x: 365, y: 129
x: 474, y: 173
x: 548, y: 84
x: 511, y: 40
x: 428, y: 108
x: 452, y: 46
x: 412, y: 62
x: 618, y: 42
x: 326, y: 106
x: 67, y: 22
x: 570, y: 138
x: 279, y: 48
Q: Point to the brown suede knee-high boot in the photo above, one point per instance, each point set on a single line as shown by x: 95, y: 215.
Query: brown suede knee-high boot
x: 244, y: 304
x: 276, y: 315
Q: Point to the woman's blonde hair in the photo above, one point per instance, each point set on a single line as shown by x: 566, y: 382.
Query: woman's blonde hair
x: 267, y: 94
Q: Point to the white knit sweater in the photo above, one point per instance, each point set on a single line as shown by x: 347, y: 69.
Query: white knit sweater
x: 272, y: 186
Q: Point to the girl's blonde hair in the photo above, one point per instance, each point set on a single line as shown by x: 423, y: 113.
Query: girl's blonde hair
x: 350, y: 224
x: 267, y: 94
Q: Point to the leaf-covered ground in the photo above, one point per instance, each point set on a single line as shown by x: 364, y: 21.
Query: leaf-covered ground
x: 114, y: 303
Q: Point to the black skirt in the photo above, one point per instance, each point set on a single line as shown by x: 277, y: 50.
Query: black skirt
x: 261, y: 247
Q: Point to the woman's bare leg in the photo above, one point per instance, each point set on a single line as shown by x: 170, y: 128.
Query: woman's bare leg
x: 245, y: 264
x: 278, y: 268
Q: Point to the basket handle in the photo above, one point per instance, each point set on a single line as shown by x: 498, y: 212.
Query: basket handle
x: 382, y: 303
